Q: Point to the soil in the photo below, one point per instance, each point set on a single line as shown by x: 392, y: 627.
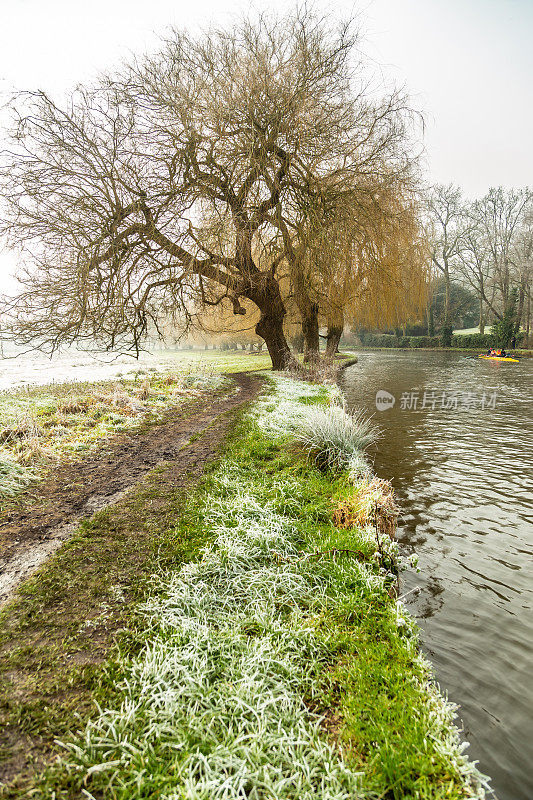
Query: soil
x: 30, y: 534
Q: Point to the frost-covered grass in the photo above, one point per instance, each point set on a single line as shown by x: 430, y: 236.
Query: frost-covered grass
x: 335, y: 439
x: 13, y: 477
x: 277, y: 665
x: 41, y: 425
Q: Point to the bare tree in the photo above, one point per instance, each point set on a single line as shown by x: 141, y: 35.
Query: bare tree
x: 474, y: 266
x: 448, y: 225
x: 149, y: 194
x: 500, y: 216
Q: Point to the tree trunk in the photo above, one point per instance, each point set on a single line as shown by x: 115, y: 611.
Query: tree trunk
x: 333, y: 339
x: 521, y: 298
x: 528, y: 314
x: 310, y: 332
x: 335, y: 331
x: 431, y: 321
x: 481, y: 314
x: 267, y: 298
x: 308, y: 313
x: 446, y: 274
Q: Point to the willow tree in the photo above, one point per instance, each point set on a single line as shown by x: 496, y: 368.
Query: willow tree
x: 113, y: 194
x: 373, y: 262
x: 371, y: 155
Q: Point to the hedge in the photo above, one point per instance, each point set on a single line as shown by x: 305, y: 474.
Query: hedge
x: 475, y: 341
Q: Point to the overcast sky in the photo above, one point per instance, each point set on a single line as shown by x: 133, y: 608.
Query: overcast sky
x: 468, y: 65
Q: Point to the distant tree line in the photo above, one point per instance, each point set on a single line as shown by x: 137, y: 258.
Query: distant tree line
x: 482, y: 249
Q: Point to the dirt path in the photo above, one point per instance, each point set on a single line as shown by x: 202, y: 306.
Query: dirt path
x: 29, y: 536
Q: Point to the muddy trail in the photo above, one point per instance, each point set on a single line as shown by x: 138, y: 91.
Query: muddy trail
x: 75, y: 491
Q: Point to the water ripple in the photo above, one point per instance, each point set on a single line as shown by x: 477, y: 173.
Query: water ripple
x: 464, y: 480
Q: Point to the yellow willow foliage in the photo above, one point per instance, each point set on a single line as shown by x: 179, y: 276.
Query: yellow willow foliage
x: 374, y: 265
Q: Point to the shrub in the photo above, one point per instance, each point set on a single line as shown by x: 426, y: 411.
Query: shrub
x: 416, y: 330
x: 446, y: 335
x: 333, y: 438
x: 379, y: 340
x: 481, y: 341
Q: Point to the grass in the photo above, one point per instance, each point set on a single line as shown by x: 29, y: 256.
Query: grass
x: 41, y: 426
x: 277, y: 662
x: 334, y: 439
x: 58, y: 637
x: 14, y: 478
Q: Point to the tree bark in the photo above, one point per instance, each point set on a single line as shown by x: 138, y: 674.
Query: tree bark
x: 333, y: 338
x: 267, y: 298
x: 310, y: 332
x: 308, y: 312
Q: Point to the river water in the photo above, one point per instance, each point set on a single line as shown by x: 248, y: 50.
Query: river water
x: 457, y: 445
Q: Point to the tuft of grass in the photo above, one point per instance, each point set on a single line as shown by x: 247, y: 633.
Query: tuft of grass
x: 14, y: 477
x: 334, y: 439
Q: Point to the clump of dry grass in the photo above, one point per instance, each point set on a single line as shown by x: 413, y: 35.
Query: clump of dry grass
x: 75, y: 405
x: 372, y: 503
x: 33, y: 450
x: 23, y: 429
x: 323, y: 371
x: 144, y: 392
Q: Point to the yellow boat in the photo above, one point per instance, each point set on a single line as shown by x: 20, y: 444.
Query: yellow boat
x: 501, y: 358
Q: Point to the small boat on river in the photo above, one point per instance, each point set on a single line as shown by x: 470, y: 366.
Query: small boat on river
x: 511, y: 359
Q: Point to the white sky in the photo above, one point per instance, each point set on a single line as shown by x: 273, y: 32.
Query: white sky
x: 468, y: 65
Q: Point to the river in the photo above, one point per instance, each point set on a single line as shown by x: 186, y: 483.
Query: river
x: 457, y: 447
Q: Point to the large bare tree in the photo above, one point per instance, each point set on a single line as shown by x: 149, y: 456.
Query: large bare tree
x: 150, y: 193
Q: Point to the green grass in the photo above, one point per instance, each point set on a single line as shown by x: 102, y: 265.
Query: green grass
x: 277, y: 664
x: 223, y: 361
x: 44, y: 425
x: 59, y: 636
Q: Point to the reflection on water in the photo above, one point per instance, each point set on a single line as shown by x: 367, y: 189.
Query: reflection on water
x: 463, y: 478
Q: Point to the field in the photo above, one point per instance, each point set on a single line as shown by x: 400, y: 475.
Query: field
x: 40, y: 426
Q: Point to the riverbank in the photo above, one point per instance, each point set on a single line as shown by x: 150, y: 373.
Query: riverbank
x: 237, y: 642
x: 449, y: 460
x: 467, y: 350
